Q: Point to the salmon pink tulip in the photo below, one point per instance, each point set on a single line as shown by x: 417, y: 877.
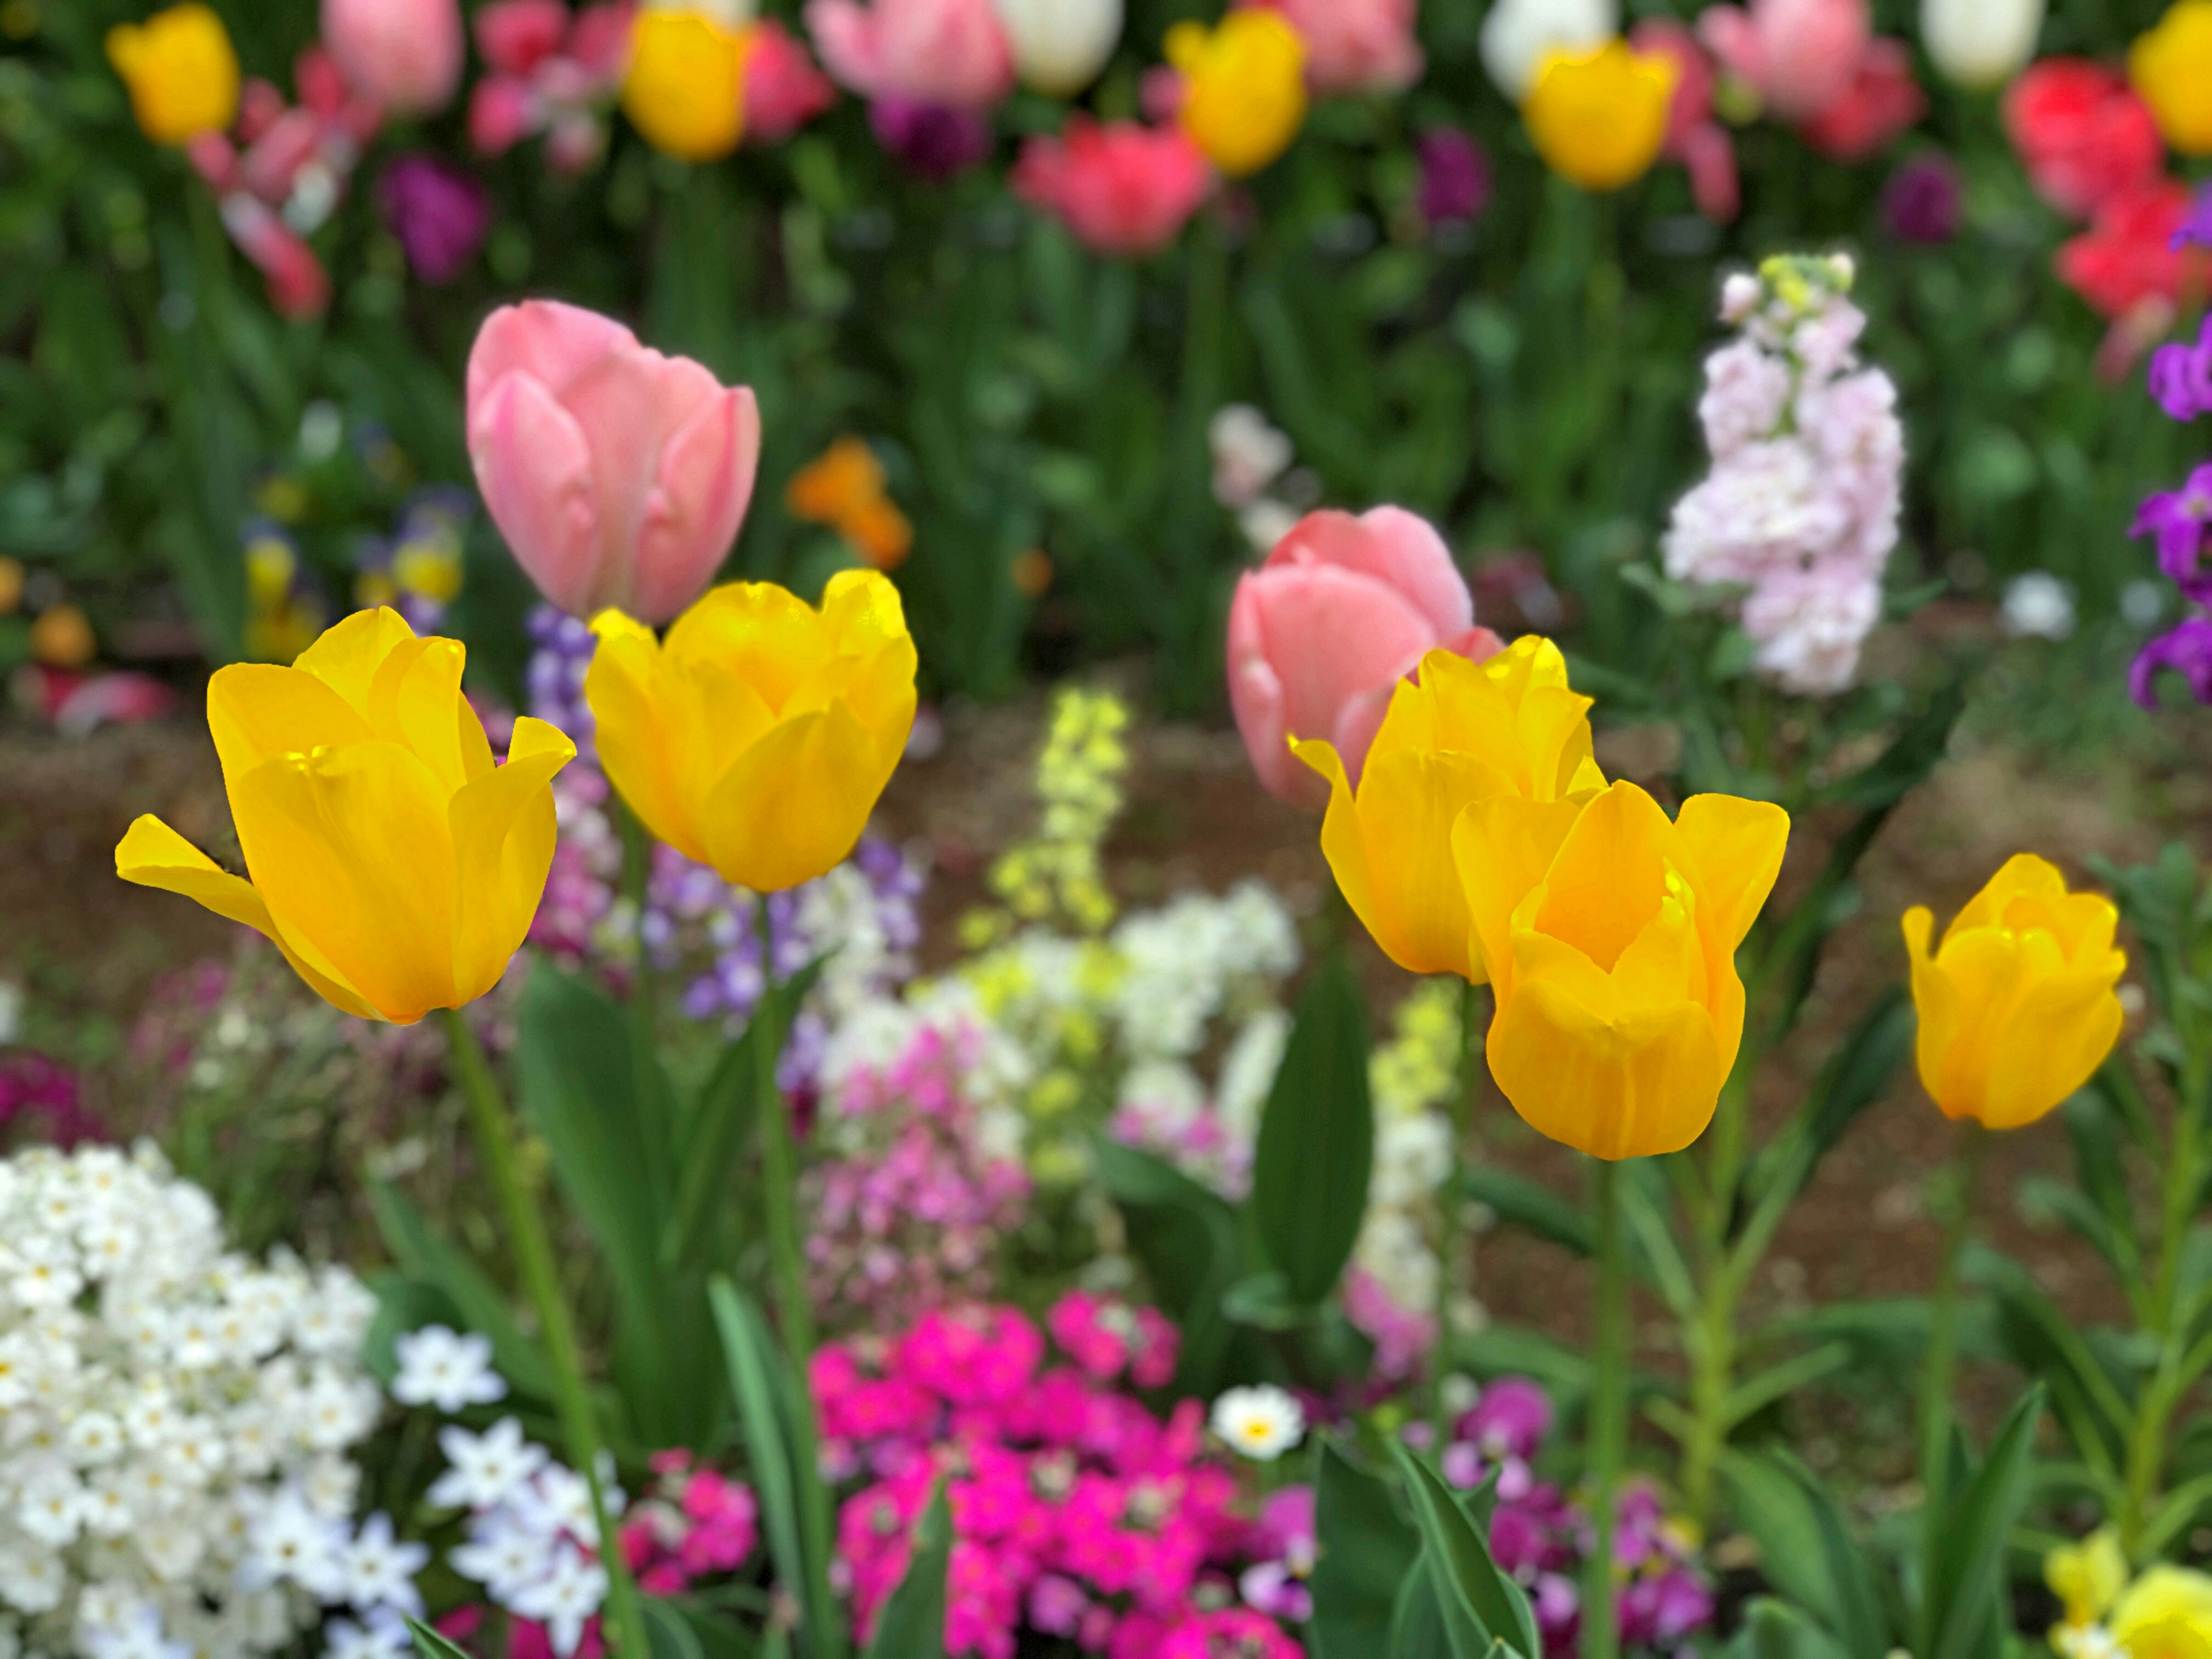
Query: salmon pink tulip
x: 1123, y: 189
x: 405, y: 54
x: 1355, y: 46
x: 951, y: 52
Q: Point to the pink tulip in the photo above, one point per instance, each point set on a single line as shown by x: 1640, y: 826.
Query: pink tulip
x: 1799, y: 55
x: 783, y: 89
x: 1882, y: 100
x: 515, y: 36
x: 950, y: 53
x: 1123, y: 189
x: 1342, y: 610
x: 618, y: 476
x: 405, y: 54
x: 1355, y: 46
x: 1694, y: 138
x: 298, y: 286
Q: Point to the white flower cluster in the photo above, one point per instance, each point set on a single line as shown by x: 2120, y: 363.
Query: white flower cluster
x: 1250, y: 456
x: 174, y: 1422
x: 1803, y: 503
x: 533, y: 1542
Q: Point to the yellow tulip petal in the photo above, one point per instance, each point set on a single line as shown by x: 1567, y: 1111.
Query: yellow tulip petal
x: 862, y: 608
x: 2021, y: 876
x: 793, y: 806
x: 152, y: 854
x: 2056, y: 1036
x: 348, y: 655
x: 1502, y: 849
x: 503, y: 831
x: 258, y: 713
x: 1738, y: 847
x: 1606, y: 882
x: 414, y: 699
x: 1407, y: 804
x: 625, y: 689
x: 352, y: 853
x: 767, y: 636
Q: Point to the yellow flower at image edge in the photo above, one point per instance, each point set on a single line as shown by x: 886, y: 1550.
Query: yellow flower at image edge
x: 1465, y: 732
x: 2172, y: 68
x: 1244, y: 87
x: 685, y: 88
x: 2017, y: 1007
x: 181, y: 71
x: 2166, y: 1614
x: 1610, y: 934
x: 1599, y: 118
x: 757, y: 737
x: 393, y: 863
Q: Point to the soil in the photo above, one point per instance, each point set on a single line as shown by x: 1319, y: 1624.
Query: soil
x: 92, y: 944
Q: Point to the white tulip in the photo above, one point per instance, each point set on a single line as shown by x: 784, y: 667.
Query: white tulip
x: 1517, y: 34
x: 1059, y: 45
x: 1980, y: 43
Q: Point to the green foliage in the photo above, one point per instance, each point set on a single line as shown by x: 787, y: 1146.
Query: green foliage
x: 1317, y: 1147
x: 1367, y: 1553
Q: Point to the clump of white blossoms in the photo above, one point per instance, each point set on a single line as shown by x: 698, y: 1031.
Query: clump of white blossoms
x: 533, y: 1542
x: 1803, y: 503
x: 175, y: 1468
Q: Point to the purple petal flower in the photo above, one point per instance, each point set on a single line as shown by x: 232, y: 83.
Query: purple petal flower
x: 1921, y: 201
x: 2186, y: 649
x: 1455, y: 177
x: 1511, y: 1419
x: 935, y: 141
x: 2181, y: 376
x: 2181, y: 520
x: 2198, y: 227
x: 440, y: 213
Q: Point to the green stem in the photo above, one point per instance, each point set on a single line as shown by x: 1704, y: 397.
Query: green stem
x: 637, y: 888
x: 491, y: 1124
x: 1940, y: 1367
x: 1451, y: 1242
x: 1709, y: 1345
x: 1608, y: 1415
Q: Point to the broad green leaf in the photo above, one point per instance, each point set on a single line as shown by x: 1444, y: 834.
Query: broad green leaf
x: 912, y: 1623
x: 669, y: 1631
x: 2049, y: 1345
x: 1775, y: 1630
x: 1482, y: 1607
x: 403, y: 1305
x: 1366, y: 1550
x: 1977, y: 1527
x: 1417, y: 1620
x: 422, y: 1255
x: 430, y: 1644
x: 1186, y: 1235
x: 1529, y: 1204
x: 1316, y: 1146
x: 1805, y: 1548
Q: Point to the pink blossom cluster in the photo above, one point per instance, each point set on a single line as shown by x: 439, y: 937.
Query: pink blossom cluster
x: 1402, y: 1335
x: 32, y: 1086
x: 1801, y: 506
x: 695, y: 1524
x: 1076, y: 1513
x: 550, y: 73
x: 910, y: 1206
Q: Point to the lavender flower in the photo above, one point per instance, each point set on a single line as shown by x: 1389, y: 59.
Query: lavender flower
x: 1920, y: 203
x: 440, y: 213
x: 2187, y: 649
x: 2181, y: 376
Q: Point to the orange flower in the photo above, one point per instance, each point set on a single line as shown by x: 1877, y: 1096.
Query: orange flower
x: 845, y: 478
x: 881, y: 534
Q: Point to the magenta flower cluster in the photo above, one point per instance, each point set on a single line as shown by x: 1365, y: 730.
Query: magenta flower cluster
x: 44, y: 1094
x: 1076, y: 1512
x: 695, y: 1524
x: 2180, y: 521
x: 910, y: 1206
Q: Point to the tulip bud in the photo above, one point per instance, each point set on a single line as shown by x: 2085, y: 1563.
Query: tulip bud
x: 1355, y: 46
x: 1519, y: 34
x: 180, y: 70
x: 953, y: 53
x: 1061, y: 45
x: 391, y: 862
x: 2017, y: 1008
x: 2172, y: 68
x: 407, y: 55
x: 1600, y: 117
x: 1980, y: 43
x: 619, y: 478
x: 685, y: 90
x: 1244, y: 88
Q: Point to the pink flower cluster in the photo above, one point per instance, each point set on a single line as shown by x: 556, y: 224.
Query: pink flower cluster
x: 1801, y: 505
x: 697, y: 1524
x: 550, y: 73
x: 909, y: 1208
x: 1076, y: 1513
x: 1818, y: 65
x: 32, y: 1086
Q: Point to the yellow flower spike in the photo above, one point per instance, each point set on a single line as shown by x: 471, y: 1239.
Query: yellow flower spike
x: 1610, y: 936
x: 393, y: 863
x: 180, y: 70
x: 1244, y: 87
x: 757, y: 737
x: 2172, y: 68
x: 1466, y: 731
x: 2017, y: 1006
x: 685, y: 88
x: 1599, y: 118
x: 2166, y: 1614
x: 2087, y: 1577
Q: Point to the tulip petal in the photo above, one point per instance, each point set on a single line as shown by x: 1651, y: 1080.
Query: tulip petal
x: 765, y: 636
x: 415, y: 701
x: 503, y: 830
x: 627, y: 404
x: 1399, y: 549
x: 542, y: 340
x: 152, y: 854
x: 2059, y: 1032
x: 2021, y: 876
x: 349, y: 652
x: 1737, y: 847
x: 702, y: 488
x: 1606, y: 881
x: 352, y: 853
x: 258, y: 713
x: 1502, y: 849
x: 534, y: 464
x: 795, y: 804
x: 628, y: 687
x: 1408, y: 803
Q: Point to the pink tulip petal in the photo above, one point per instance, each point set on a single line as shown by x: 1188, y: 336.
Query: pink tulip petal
x: 628, y: 403
x: 548, y: 341
x: 1357, y: 723
x: 694, y: 513
x: 1399, y: 550
x: 533, y: 465
x: 1256, y: 693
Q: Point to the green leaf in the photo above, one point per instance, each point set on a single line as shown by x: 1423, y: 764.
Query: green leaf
x: 669, y: 1631
x: 1366, y: 1549
x: 404, y: 1305
x: 1775, y: 1630
x: 1755, y: 1394
x: 1530, y: 1204
x: 1805, y: 1548
x: 1482, y: 1607
x: 1186, y: 1235
x: 422, y: 1255
x: 1416, y: 1619
x: 2047, y: 1345
x: 1317, y: 1147
x: 1963, y: 1601
x: 430, y: 1644
x: 912, y: 1624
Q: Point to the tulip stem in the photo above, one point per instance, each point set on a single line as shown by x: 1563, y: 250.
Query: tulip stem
x: 1940, y: 1367
x: 491, y: 1124
x: 1608, y: 1414
x: 1451, y: 1243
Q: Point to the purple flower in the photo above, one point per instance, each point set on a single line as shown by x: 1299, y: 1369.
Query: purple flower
x: 2181, y: 376
x: 1921, y: 201
x: 935, y: 141
x: 1511, y: 1419
x: 1455, y: 177
x: 2181, y: 520
x: 1658, y: 1611
x: 2187, y: 649
x: 440, y: 213
x: 2198, y: 227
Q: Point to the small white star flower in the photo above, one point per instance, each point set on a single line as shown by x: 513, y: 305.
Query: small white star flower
x: 441, y: 1368
x: 1260, y: 1423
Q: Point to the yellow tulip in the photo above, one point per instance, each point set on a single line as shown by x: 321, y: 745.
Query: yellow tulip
x: 2166, y: 1614
x: 396, y: 867
x: 1610, y: 934
x: 2016, y: 1007
x: 685, y: 88
x: 758, y: 736
x: 1599, y: 116
x: 2172, y: 68
x: 1466, y: 731
x: 1244, y: 86
x: 180, y: 70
